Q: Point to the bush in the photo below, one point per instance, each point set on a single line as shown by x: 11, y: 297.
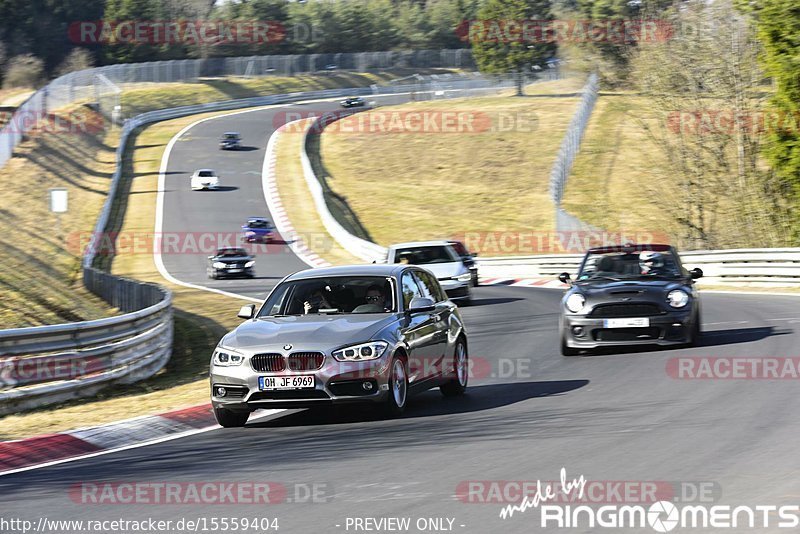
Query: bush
x: 24, y: 71
x: 78, y: 59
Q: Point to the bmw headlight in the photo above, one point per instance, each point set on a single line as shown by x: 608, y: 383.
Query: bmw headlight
x: 249, y: 264
x: 227, y: 358
x: 359, y: 353
x: 218, y: 265
x: 466, y: 277
x: 575, y: 302
x: 249, y: 233
x: 678, y: 298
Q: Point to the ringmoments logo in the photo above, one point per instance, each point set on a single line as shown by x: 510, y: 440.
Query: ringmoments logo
x: 661, y: 516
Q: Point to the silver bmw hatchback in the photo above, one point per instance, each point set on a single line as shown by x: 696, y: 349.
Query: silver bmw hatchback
x: 366, y: 333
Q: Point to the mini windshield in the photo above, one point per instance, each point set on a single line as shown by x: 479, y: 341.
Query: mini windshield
x: 425, y: 255
x: 232, y: 136
x: 639, y: 264
x: 336, y: 295
x: 258, y: 224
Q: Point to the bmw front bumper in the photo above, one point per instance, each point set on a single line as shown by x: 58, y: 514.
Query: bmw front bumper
x: 335, y: 383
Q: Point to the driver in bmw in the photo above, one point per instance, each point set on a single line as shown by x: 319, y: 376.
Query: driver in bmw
x: 316, y: 302
x: 651, y: 263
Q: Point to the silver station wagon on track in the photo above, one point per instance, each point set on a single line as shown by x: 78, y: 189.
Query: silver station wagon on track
x: 367, y: 334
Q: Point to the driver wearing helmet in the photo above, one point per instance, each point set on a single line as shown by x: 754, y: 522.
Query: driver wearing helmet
x: 651, y: 263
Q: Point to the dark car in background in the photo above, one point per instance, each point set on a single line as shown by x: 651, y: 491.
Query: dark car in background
x: 258, y: 230
x: 230, y: 141
x: 353, y: 102
x: 468, y: 258
x: 630, y: 295
x: 230, y: 262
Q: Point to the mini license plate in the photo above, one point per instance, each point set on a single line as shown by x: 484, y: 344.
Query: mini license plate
x: 286, y: 382
x: 638, y: 322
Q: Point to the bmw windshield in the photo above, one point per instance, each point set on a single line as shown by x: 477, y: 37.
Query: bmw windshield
x: 626, y: 266
x: 331, y: 295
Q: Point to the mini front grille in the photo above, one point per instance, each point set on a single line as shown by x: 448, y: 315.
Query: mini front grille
x: 268, y: 363
x: 627, y: 334
x: 625, y: 310
x: 305, y: 361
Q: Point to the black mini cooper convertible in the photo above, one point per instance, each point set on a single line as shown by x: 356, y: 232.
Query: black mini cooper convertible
x: 630, y: 295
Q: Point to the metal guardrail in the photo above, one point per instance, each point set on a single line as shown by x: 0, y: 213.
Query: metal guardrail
x: 757, y: 267
x: 83, y: 86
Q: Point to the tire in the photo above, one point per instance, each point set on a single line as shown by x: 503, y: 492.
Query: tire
x: 697, y: 331
x: 229, y: 419
x: 458, y: 385
x: 475, y: 282
x: 566, y: 350
x: 398, y: 388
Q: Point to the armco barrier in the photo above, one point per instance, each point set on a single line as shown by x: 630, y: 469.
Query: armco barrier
x: 756, y: 267
x: 49, y: 364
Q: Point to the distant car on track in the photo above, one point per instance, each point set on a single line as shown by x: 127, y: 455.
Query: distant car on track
x: 230, y: 141
x: 230, y: 262
x: 204, y: 179
x: 349, y: 334
x: 630, y: 295
x: 353, y: 102
x: 258, y: 230
x: 440, y: 258
x: 468, y: 258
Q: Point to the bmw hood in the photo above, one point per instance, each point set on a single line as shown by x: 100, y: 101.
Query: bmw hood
x: 305, y: 332
x: 446, y: 270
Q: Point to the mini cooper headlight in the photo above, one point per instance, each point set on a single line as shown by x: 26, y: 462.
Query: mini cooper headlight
x: 678, y: 298
x: 359, y: 353
x: 219, y: 265
x: 227, y: 358
x: 575, y: 302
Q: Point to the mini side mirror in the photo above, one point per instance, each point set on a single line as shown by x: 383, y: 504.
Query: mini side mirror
x: 696, y: 273
x: 247, y: 312
x: 565, y: 278
x: 420, y: 305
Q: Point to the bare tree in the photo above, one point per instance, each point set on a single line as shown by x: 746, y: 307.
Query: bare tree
x: 704, y: 92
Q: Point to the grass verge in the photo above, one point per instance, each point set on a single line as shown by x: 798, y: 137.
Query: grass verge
x: 429, y: 184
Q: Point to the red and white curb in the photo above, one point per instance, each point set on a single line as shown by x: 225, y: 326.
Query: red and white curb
x: 275, y: 205
x: 50, y: 449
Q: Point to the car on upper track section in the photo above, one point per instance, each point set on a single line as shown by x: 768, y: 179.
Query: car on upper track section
x: 204, y: 179
x: 630, y: 295
x: 349, y: 334
x: 230, y: 262
x: 230, y: 141
x: 353, y: 102
x: 440, y: 258
x: 258, y: 230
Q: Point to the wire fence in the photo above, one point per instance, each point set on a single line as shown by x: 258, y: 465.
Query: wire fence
x: 97, y: 84
x: 566, y: 156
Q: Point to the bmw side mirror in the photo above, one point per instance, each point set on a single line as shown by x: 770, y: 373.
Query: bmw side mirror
x: 247, y: 312
x: 696, y: 273
x: 421, y: 305
x: 565, y: 278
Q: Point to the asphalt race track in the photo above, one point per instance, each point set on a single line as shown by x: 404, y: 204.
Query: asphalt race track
x: 529, y: 411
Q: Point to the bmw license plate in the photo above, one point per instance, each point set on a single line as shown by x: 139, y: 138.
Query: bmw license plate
x: 638, y: 322
x: 286, y: 382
